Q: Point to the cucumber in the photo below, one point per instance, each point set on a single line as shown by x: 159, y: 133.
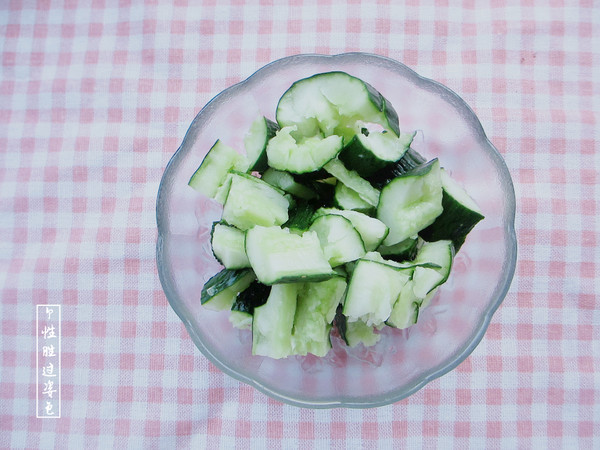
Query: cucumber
x: 346, y: 198
x: 369, y: 153
x: 372, y: 231
x: 315, y: 310
x: 406, y: 308
x: 302, y: 154
x: 411, y: 202
x: 286, y: 182
x: 228, y: 246
x: 251, y: 202
x: 425, y: 279
x: 220, y: 291
x: 339, y: 240
x: 215, y: 166
x: 243, y: 306
x: 354, y: 333
x: 353, y: 181
x: 372, y: 291
x: 409, y: 161
x: 272, y: 322
x: 278, y: 256
x: 300, y: 217
x: 255, y: 143
x: 333, y: 103
x: 402, y: 251
x: 460, y: 214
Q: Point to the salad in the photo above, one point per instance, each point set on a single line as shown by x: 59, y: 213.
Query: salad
x: 330, y: 219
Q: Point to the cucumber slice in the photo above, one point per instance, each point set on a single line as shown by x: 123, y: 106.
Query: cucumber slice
x: 346, y: 198
x: 459, y: 216
x: 220, y: 291
x: 406, y: 309
x: 367, y: 154
x: 228, y: 246
x: 353, y: 181
x: 255, y: 142
x: 215, y: 166
x: 372, y: 231
x: 408, y: 162
x: 301, y: 155
x: 286, y: 182
x: 251, y: 201
x: 332, y: 103
x: 411, y: 202
x: 278, y: 256
x: 402, y: 251
x: 354, y: 333
x: 372, y: 291
x: 272, y: 322
x: 425, y: 279
x: 339, y: 240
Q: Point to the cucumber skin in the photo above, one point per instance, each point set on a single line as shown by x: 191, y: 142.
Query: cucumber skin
x: 411, y: 160
x: 221, y: 281
x: 454, y: 224
x: 252, y: 297
x: 261, y: 164
x: 355, y: 157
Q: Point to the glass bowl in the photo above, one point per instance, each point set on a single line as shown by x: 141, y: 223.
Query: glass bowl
x: 404, y: 360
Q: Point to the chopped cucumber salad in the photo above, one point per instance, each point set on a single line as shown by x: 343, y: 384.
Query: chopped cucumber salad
x: 330, y: 220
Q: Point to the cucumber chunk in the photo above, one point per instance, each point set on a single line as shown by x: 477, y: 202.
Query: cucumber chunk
x: 346, y: 198
x: 303, y: 154
x: 220, y: 291
x: 332, y: 103
x: 353, y: 181
x: 367, y: 154
x: 251, y: 202
x: 286, y: 182
x: 425, y: 279
x: 255, y: 143
x: 339, y: 240
x: 228, y: 246
x: 215, y: 166
x: 372, y: 291
x: 272, y: 322
x: 372, y: 231
x: 459, y: 216
x: 411, y: 202
x: 278, y: 256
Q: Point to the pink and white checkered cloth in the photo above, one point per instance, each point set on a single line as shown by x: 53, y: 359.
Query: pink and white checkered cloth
x: 96, y: 96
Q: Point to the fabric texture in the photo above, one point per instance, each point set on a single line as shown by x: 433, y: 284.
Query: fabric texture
x: 96, y: 96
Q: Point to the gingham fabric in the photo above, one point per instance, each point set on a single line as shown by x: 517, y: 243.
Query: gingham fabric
x: 96, y: 96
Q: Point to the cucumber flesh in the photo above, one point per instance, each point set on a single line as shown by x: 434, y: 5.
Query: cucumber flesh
x: 425, y: 279
x: 286, y: 182
x: 346, y: 198
x: 251, y: 202
x: 372, y: 291
x: 339, y: 240
x: 272, y: 322
x: 278, y: 256
x: 353, y: 181
x: 372, y: 231
x: 228, y: 246
x: 302, y: 155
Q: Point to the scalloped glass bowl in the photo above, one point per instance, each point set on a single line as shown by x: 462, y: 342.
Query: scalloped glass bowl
x: 404, y: 360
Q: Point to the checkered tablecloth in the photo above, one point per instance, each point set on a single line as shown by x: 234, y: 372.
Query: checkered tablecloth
x: 96, y: 96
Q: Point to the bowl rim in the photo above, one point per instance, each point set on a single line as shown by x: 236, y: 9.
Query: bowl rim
x: 509, y: 215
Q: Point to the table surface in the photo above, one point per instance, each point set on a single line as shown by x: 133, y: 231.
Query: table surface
x: 96, y: 96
